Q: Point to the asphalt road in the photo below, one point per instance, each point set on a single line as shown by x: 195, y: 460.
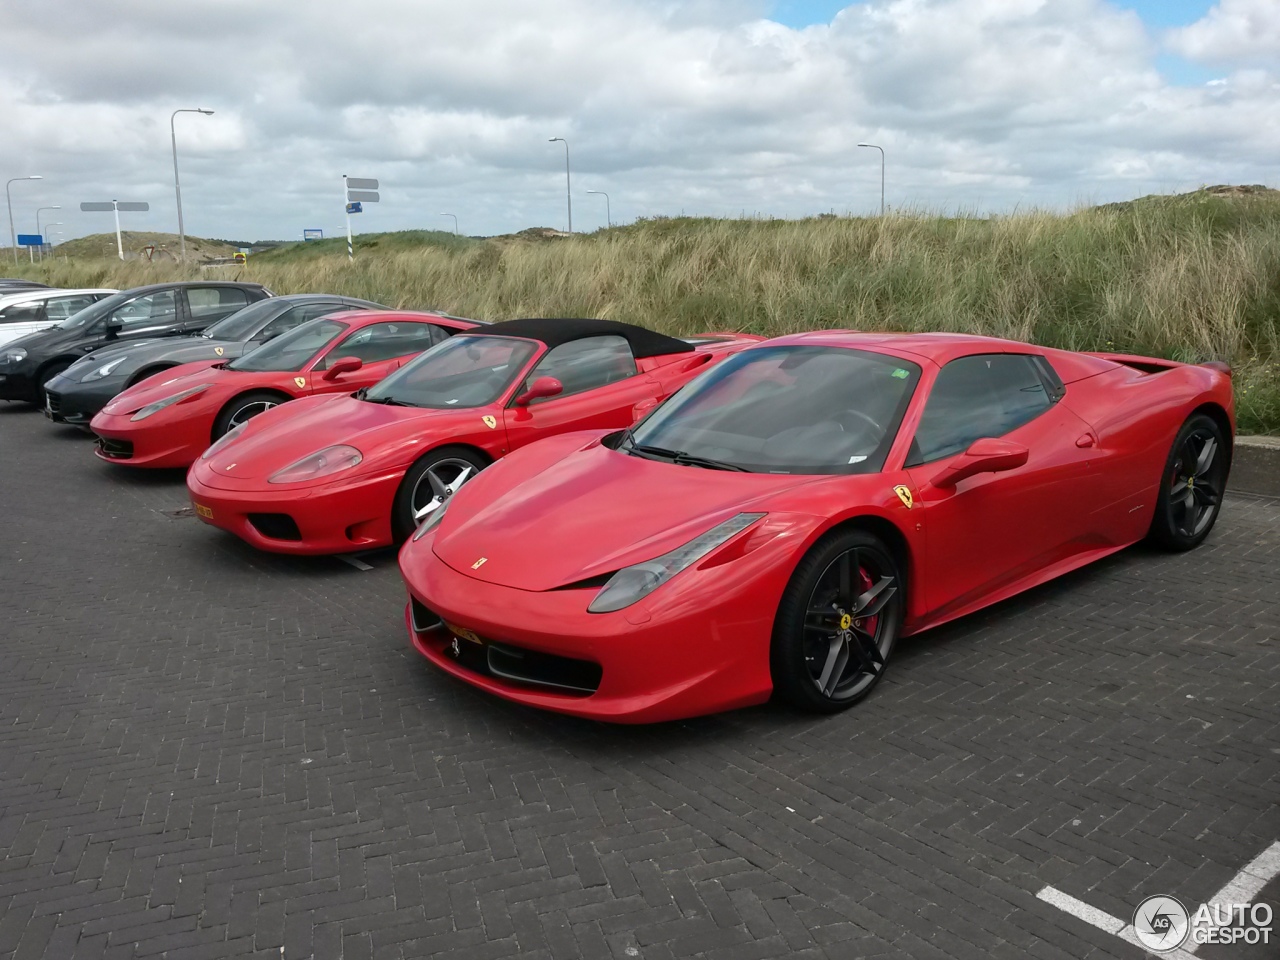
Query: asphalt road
x: 209, y: 752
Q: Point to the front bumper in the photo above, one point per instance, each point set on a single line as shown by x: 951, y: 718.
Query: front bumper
x: 325, y: 519
x: 698, y: 645
x: 15, y: 385
x: 70, y: 401
x: 146, y: 443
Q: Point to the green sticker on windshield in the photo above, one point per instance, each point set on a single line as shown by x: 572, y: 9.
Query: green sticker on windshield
x: 901, y: 374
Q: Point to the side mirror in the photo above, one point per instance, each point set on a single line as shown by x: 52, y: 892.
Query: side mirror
x: 986, y: 455
x: 641, y: 409
x: 341, y: 366
x: 542, y: 387
x: 112, y: 328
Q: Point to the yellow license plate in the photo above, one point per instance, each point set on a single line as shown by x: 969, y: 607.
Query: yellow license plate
x: 206, y: 512
x: 462, y: 633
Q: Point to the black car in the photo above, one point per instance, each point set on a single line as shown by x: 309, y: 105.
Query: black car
x: 77, y: 393
x: 158, y: 310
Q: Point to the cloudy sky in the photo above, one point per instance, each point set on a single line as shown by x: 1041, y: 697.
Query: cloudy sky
x: 707, y: 107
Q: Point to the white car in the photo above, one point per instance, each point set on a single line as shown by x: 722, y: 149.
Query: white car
x: 30, y: 310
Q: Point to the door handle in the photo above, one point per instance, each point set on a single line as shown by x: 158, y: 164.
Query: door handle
x: 1085, y: 441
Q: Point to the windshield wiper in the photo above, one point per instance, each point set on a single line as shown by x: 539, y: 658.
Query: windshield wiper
x: 683, y: 458
x: 363, y: 394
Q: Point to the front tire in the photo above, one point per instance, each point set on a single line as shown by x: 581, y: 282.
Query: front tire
x: 837, y: 623
x: 1191, y: 486
x: 429, y: 484
x: 44, y: 376
x: 243, y: 408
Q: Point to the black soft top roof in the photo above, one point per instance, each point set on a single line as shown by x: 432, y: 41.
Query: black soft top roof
x: 554, y: 331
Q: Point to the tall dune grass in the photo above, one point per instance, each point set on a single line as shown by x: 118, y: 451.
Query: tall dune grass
x: 1190, y: 279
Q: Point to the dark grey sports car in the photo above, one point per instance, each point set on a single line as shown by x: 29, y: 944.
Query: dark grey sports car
x: 84, y: 388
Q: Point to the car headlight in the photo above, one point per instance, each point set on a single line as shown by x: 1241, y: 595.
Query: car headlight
x: 319, y: 464
x: 432, y: 521
x: 159, y: 405
x: 10, y: 357
x: 97, y: 373
x: 634, y: 583
x: 223, y: 440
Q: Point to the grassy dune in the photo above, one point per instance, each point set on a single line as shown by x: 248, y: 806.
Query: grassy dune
x: 1192, y: 278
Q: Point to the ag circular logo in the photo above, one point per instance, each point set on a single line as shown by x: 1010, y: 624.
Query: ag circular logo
x: 1161, y: 923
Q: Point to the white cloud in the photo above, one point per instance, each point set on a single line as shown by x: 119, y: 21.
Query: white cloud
x: 1233, y: 32
x: 705, y: 108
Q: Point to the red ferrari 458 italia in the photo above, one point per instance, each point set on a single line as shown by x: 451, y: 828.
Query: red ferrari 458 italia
x: 341, y: 473
x: 778, y: 523
x: 169, y: 420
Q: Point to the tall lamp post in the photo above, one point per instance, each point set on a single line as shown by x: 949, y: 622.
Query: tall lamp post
x: 43, y: 238
x: 608, y: 216
x: 177, y: 189
x: 455, y: 222
x: 13, y: 235
x: 38, y: 230
x: 568, y: 193
x: 881, y: 149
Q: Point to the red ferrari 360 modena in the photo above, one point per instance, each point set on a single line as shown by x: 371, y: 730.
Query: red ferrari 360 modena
x: 776, y: 525
x: 169, y: 420
x: 357, y: 471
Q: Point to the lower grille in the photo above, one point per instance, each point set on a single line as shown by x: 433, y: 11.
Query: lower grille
x: 52, y: 403
x: 115, y: 449
x: 543, y: 669
x: 277, y: 526
x: 424, y: 618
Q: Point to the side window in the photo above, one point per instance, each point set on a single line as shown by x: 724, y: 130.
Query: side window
x: 62, y: 307
x: 21, y: 313
x: 385, y: 341
x: 159, y: 307
x: 213, y: 303
x: 975, y: 397
x: 296, y: 317
x: 585, y: 364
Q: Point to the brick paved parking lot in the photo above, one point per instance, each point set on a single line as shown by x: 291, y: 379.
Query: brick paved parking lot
x: 210, y: 752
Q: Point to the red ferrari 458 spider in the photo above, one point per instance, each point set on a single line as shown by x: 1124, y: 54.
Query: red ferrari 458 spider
x: 778, y: 523
x: 352, y: 472
x: 169, y: 420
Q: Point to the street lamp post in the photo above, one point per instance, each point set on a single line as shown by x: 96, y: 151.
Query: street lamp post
x: 38, y: 230
x: 568, y: 192
x: 608, y: 216
x: 881, y: 149
x: 177, y: 189
x: 13, y: 235
x: 43, y: 239
x: 455, y: 222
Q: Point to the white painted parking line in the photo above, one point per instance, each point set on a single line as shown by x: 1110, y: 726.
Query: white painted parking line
x: 1100, y: 919
x: 1246, y: 884
x: 1242, y: 888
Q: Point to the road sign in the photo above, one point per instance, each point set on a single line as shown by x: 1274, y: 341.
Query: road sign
x: 30, y: 240
x: 361, y: 183
x: 312, y: 233
x: 368, y: 196
x: 132, y: 205
x: 354, y: 208
x: 104, y: 206
x: 115, y: 206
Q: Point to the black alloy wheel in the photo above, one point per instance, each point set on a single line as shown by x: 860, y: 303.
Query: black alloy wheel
x: 837, y: 623
x: 1192, y: 485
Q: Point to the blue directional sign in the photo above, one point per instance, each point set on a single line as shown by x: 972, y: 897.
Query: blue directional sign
x: 354, y: 208
x: 30, y: 240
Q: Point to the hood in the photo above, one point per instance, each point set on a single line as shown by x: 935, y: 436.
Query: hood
x: 592, y: 511
x: 139, y: 352
x: 386, y: 436
x: 165, y: 385
x: 42, y: 340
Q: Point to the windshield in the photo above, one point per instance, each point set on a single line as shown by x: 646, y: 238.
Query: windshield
x: 461, y: 372
x: 95, y: 310
x: 242, y: 323
x: 803, y: 410
x: 292, y: 350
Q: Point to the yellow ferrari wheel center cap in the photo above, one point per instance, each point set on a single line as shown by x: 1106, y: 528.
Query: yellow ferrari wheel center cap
x: 846, y: 622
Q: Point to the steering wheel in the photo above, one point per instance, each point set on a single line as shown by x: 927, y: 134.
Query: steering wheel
x: 869, y: 421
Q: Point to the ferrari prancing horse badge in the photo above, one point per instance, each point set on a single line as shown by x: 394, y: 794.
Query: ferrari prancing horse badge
x: 300, y: 381
x: 904, y: 494
x: 219, y: 351
x: 490, y: 422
